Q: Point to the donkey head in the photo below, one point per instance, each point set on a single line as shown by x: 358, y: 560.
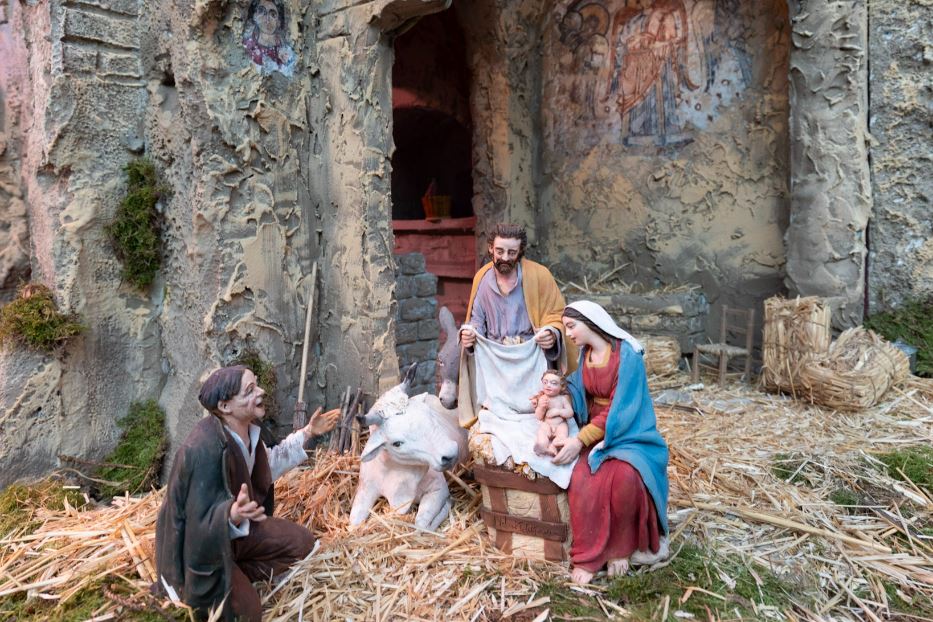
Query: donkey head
x: 448, y: 360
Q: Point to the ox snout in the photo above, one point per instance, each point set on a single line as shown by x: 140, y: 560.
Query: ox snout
x: 449, y: 455
x: 448, y: 462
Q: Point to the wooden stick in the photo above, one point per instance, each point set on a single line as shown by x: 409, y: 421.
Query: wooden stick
x: 299, y: 417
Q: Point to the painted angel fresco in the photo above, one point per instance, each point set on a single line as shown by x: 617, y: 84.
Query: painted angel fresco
x: 264, y: 37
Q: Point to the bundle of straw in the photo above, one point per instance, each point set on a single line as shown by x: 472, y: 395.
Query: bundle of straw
x: 662, y: 355
x: 859, y: 368
x: 795, y: 331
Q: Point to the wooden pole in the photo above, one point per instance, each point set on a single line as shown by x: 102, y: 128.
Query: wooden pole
x: 301, y: 409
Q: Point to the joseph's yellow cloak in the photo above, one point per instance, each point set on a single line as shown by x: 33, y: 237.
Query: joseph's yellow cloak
x: 545, y: 304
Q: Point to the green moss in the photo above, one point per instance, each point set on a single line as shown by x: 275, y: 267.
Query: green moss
x: 912, y: 323
x: 695, y: 566
x: 19, y: 502
x: 788, y: 468
x: 844, y: 496
x: 32, y: 319
x: 84, y: 604
x: 265, y: 376
x: 135, y: 463
x: 566, y: 604
x: 915, y: 462
x: 920, y: 605
x: 136, y: 230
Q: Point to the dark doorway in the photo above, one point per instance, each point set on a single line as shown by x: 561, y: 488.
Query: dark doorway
x: 431, y: 115
x: 432, y: 166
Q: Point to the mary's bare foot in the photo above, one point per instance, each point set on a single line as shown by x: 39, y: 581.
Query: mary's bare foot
x: 617, y: 567
x: 581, y: 576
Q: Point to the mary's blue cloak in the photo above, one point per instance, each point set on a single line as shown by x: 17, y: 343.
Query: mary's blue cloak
x: 631, y: 429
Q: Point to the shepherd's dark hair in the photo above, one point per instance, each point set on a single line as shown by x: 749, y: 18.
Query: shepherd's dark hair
x: 279, y: 5
x: 573, y: 314
x: 222, y: 385
x: 509, y: 231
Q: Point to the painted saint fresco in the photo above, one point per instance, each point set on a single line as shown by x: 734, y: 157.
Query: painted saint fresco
x: 652, y: 66
x: 265, y: 39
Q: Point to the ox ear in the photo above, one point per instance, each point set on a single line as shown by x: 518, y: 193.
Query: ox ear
x: 409, y: 377
x: 376, y: 442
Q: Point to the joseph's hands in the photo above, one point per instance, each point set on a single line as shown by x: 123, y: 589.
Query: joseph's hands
x: 467, y: 338
x: 321, y: 423
x: 545, y: 338
x: 243, y: 507
x: 570, y: 449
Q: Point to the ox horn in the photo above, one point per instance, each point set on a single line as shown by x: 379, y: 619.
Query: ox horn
x: 371, y: 418
x: 409, y: 376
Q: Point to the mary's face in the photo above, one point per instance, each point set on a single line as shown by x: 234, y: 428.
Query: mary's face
x: 578, y: 332
x: 266, y: 17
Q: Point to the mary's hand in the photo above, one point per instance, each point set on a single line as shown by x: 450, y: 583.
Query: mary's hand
x: 570, y: 448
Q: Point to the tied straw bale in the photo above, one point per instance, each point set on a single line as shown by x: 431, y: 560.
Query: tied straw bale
x: 858, y: 369
x: 794, y: 331
x: 662, y: 355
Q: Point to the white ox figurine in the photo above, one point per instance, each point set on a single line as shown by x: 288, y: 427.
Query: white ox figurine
x: 412, y: 440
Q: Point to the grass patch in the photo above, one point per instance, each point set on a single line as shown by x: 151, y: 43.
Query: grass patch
x: 33, y: 319
x: 844, y: 496
x: 137, y: 228
x: 84, y: 604
x: 19, y: 503
x: 135, y: 463
x: 915, y: 462
x: 918, y: 605
x: 728, y: 577
x: 789, y: 468
x: 912, y: 323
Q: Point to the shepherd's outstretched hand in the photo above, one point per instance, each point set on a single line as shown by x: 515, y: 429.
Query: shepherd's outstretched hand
x: 244, y: 507
x: 570, y: 448
x: 321, y: 423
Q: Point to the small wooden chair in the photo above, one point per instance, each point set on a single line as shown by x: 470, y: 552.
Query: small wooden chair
x: 736, y: 323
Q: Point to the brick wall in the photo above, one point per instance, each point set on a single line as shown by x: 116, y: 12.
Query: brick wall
x: 417, y: 328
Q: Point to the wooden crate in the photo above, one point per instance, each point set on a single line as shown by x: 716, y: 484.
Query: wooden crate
x: 524, y: 517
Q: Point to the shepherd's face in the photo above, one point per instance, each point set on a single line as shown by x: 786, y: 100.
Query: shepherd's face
x: 266, y: 17
x: 247, y: 405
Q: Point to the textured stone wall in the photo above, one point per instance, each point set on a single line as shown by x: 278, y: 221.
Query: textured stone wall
x: 417, y: 328
x: 900, y: 43
x: 275, y: 162
x: 701, y: 199
x: 830, y: 185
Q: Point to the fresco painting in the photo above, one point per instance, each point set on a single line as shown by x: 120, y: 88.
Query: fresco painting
x: 651, y: 68
x: 265, y: 40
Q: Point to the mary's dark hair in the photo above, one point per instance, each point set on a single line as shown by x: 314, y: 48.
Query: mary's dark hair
x: 222, y: 385
x: 573, y: 314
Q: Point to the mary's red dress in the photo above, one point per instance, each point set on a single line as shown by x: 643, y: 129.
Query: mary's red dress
x: 611, y: 512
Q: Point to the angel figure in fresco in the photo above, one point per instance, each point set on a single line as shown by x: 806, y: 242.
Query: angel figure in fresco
x: 264, y: 37
x: 649, y: 67
x: 583, y: 29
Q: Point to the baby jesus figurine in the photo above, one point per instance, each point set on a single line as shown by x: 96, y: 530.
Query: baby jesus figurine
x: 552, y: 409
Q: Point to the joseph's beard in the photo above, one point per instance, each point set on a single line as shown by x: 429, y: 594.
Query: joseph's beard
x: 505, y: 267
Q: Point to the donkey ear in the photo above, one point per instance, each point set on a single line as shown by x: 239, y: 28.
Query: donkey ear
x: 446, y: 319
x: 376, y: 442
x: 409, y: 377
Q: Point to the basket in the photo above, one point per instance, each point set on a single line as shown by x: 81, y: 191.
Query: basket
x: 525, y: 517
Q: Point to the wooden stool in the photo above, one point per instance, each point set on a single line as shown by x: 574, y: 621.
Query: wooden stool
x: 736, y: 323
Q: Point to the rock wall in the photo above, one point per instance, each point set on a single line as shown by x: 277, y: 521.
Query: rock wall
x: 681, y: 178
x: 900, y: 264
x: 830, y: 185
x: 276, y: 159
x: 417, y: 330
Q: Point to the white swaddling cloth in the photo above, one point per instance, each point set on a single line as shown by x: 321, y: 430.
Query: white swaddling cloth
x: 506, y: 377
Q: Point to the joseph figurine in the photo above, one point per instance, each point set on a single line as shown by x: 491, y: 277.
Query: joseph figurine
x: 513, y: 300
